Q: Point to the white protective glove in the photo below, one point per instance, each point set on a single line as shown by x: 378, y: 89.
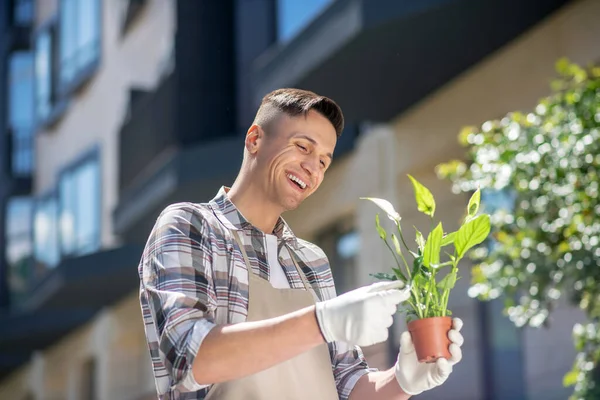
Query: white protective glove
x: 415, y: 377
x: 361, y: 317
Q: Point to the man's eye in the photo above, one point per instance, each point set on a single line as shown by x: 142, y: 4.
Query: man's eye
x: 323, y: 163
x: 302, y: 147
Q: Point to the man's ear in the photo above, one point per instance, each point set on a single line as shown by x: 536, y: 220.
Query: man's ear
x: 254, y: 138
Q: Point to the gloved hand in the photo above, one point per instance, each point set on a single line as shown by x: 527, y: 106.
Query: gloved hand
x: 415, y: 377
x: 361, y: 317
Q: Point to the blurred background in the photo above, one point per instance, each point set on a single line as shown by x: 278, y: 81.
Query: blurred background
x: 112, y: 109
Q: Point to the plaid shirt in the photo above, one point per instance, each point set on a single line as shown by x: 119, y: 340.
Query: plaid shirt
x: 193, y: 276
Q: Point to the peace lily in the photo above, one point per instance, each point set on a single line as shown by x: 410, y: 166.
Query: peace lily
x: 429, y: 295
x: 385, y: 206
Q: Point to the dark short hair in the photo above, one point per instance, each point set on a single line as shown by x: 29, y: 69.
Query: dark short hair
x: 294, y: 102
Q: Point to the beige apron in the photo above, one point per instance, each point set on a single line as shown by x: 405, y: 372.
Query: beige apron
x: 307, y: 376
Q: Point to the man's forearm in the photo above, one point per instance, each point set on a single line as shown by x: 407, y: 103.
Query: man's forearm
x: 378, y: 385
x: 234, y: 351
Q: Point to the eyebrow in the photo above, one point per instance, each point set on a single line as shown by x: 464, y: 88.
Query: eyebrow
x: 314, y: 142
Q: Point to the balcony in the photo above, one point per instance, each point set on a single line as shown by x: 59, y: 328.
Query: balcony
x: 167, y: 156
x: 147, y: 132
x: 65, y: 298
x: 378, y: 57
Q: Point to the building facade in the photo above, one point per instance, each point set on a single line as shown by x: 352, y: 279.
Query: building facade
x: 129, y: 105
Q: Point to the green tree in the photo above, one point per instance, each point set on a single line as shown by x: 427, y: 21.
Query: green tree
x: 547, y: 245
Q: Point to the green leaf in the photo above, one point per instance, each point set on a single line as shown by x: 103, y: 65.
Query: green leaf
x: 431, y: 254
x: 448, y: 282
x: 399, y: 274
x: 417, y: 262
x: 424, y: 198
x: 474, y: 204
x: 448, y: 239
x: 385, y: 206
x: 384, y: 276
x: 570, y: 378
x: 420, y: 240
x: 380, y: 230
x: 472, y: 233
x: 420, y: 281
x: 562, y: 66
x: 396, y: 244
x: 415, y: 255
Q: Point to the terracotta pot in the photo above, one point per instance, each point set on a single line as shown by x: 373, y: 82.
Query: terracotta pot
x: 430, y: 336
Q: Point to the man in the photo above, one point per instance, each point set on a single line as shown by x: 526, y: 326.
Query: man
x: 237, y: 307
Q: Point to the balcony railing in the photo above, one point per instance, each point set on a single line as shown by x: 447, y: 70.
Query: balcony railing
x: 147, y: 133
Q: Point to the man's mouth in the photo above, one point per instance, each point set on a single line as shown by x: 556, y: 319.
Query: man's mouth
x: 297, y: 181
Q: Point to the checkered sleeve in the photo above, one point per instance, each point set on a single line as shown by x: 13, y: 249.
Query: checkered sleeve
x: 178, y: 289
x: 349, y: 364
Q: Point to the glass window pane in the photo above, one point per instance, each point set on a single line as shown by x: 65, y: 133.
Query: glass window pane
x: 80, y: 201
x: 294, y: 15
x: 21, y: 90
x: 88, y: 208
x: 79, y: 36
x: 348, y: 245
x: 23, y: 12
x: 18, y: 245
x: 45, y: 232
x: 68, y: 39
x: 43, y: 72
x: 67, y: 213
x: 21, y: 111
x: 88, y: 23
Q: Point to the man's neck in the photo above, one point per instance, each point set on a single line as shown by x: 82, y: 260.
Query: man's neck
x: 251, y: 204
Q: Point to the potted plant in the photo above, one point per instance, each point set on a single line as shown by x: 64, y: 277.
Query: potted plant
x: 430, y: 275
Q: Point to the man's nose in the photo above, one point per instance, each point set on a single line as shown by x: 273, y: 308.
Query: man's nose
x: 310, y: 165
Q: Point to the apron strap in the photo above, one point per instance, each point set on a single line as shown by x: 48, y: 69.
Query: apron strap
x: 243, y: 250
x: 307, y: 286
x: 300, y: 272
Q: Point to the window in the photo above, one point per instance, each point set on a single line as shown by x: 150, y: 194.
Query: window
x: 294, y: 15
x: 45, y: 234
x: 341, y: 245
x: 502, y: 347
x: 46, y: 74
x: 23, y: 12
x: 79, y: 208
x: 87, y: 389
x: 20, y: 114
x: 18, y: 246
x: 79, y: 40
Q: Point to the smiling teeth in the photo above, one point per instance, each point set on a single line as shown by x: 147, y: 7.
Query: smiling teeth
x: 297, y: 180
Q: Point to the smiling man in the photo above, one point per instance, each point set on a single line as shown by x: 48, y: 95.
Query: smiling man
x: 237, y: 307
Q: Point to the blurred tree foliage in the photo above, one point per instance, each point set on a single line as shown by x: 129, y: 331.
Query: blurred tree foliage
x: 547, y: 244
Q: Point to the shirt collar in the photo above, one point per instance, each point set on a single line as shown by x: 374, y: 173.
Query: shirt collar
x: 228, y: 214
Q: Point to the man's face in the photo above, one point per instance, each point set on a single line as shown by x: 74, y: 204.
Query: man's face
x: 292, y: 158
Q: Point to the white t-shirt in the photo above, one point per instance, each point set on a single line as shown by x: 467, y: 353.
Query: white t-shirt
x: 277, y: 276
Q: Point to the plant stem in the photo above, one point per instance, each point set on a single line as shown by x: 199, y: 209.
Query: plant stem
x: 396, y: 259
x: 415, y: 291
x: 402, y: 237
x: 427, y: 300
x: 446, y: 294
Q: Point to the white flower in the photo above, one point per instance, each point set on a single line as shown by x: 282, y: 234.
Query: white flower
x: 385, y: 206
